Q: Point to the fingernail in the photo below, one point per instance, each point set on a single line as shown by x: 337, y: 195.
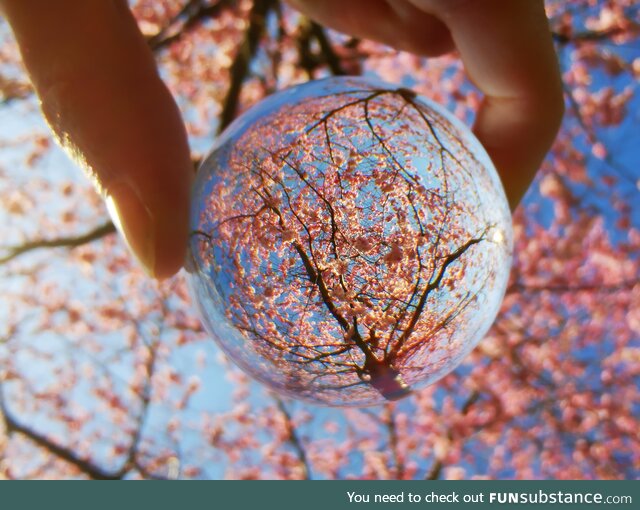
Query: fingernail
x: 133, y: 220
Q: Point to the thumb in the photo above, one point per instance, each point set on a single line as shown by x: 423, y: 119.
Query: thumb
x: 103, y: 98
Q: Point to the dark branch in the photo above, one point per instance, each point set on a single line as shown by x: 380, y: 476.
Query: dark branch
x: 433, y: 284
x: 61, y: 242
x: 190, y: 16
x: 316, y: 279
x: 13, y: 90
x: 438, y: 465
x: 435, y: 471
x: 392, y: 433
x: 593, y: 35
x: 240, y: 67
x: 131, y: 461
x: 308, y: 60
x: 294, y: 439
x: 84, y: 466
x: 329, y: 54
x: 580, y: 287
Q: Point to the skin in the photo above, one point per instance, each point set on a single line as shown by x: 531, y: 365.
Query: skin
x: 101, y: 94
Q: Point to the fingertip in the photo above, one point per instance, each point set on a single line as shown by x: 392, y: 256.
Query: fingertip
x: 155, y: 233
x: 170, y: 244
x: 134, y: 222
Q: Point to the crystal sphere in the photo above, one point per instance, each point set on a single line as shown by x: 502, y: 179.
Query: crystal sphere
x: 350, y: 242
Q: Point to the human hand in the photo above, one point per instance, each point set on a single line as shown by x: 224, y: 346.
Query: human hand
x: 101, y: 94
x: 507, y: 51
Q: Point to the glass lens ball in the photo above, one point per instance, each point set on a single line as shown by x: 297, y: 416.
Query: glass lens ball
x: 350, y: 242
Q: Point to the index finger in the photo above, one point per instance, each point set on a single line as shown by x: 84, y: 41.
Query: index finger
x: 507, y: 50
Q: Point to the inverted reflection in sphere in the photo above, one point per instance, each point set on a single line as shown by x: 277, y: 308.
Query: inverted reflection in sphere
x: 350, y: 241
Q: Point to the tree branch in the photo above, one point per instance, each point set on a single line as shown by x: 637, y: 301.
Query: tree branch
x: 61, y: 242
x: 435, y: 471
x: 294, y: 440
x: 86, y: 467
x: 240, y: 66
x: 586, y: 287
x: 131, y: 460
x: 593, y: 35
x: 438, y: 465
x: 392, y: 433
x: 316, y: 279
x: 330, y: 57
x: 433, y: 284
x: 190, y: 16
x: 13, y: 90
x: 91, y: 470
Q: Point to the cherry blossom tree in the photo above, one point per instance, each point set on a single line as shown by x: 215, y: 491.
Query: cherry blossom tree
x: 363, y: 237
x: 105, y: 374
